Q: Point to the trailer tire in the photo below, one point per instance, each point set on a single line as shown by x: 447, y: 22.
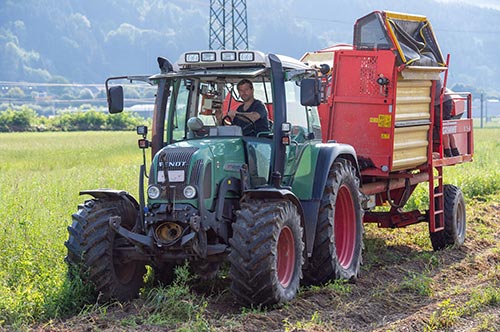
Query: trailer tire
x: 91, y: 249
x: 266, y: 254
x: 454, y: 220
x: 338, y: 242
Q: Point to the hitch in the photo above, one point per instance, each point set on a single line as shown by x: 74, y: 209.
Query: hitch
x: 115, y: 224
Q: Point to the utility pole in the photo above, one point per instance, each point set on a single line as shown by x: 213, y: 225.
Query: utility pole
x: 482, y: 102
x: 228, y: 25
x: 486, y: 111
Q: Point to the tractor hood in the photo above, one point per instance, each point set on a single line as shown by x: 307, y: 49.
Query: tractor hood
x: 198, y: 165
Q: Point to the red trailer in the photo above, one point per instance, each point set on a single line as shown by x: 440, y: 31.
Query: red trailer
x: 384, y: 96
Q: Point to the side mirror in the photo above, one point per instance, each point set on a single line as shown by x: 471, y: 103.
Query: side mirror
x: 310, y: 92
x: 115, y: 99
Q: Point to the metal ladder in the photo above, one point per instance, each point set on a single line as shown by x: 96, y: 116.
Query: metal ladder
x: 436, y: 200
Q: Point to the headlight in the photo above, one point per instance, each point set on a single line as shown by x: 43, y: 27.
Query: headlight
x: 154, y: 192
x: 189, y: 192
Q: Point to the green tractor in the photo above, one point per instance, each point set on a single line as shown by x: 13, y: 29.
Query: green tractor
x: 280, y: 206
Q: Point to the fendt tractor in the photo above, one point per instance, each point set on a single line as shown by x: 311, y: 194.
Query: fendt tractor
x: 354, y: 129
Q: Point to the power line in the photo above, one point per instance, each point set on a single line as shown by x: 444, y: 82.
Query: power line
x: 21, y: 101
x: 37, y: 84
x: 327, y: 20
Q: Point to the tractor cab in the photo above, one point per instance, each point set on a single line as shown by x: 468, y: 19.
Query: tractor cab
x: 192, y: 106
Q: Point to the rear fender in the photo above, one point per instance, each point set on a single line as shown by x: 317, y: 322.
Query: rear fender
x: 328, y: 154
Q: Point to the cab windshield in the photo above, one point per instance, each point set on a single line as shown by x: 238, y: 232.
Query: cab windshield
x: 199, y: 105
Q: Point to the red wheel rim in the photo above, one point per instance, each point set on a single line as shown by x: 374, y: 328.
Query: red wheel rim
x: 286, y: 256
x: 345, y: 227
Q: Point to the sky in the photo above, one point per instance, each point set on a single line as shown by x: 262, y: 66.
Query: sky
x: 495, y: 4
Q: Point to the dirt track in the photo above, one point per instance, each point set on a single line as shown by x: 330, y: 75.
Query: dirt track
x: 402, y: 288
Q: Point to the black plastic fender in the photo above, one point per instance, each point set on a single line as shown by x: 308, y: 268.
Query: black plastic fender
x: 113, y: 194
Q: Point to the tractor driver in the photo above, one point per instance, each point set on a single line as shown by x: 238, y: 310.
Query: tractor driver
x: 254, y: 118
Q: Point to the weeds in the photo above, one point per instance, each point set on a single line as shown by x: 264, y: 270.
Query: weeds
x: 420, y: 284
x: 448, y: 313
x: 342, y: 287
x: 302, y: 325
x: 175, y: 304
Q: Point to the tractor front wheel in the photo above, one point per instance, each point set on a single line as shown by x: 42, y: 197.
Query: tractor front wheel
x: 94, y: 249
x: 266, y: 252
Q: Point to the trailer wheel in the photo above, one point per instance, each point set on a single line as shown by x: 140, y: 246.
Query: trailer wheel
x: 454, y: 220
x: 339, y: 232
x: 266, y: 255
x: 93, y: 249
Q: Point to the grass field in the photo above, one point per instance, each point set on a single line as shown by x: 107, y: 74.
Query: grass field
x: 42, y: 173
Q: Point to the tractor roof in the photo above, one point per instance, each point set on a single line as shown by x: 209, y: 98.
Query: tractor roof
x: 214, y: 59
x: 227, y: 63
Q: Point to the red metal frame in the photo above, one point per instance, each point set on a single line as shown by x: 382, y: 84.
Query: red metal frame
x: 360, y: 112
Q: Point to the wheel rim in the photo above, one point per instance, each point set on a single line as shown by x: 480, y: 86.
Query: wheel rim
x: 460, y: 221
x: 286, y: 256
x: 345, y: 227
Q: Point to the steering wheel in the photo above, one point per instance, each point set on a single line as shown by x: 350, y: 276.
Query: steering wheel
x: 247, y: 125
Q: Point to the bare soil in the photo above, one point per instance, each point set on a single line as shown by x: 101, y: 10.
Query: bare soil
x: 403, y: 287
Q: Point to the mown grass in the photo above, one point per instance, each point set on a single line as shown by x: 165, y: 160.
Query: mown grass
x: 42, y: 173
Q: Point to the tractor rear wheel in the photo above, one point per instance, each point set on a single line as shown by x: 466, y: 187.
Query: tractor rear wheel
x: 266, y: 256
x: 454, y: 220
x: 94, y: 249
x: 339, y: 233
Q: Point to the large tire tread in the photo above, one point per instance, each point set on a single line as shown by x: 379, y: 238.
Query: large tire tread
x: 91, y: 245
x: 254, y: 254
x: 324, y: 264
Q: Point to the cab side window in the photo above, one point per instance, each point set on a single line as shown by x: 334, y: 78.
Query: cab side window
x: 305, y: 120
x: 180, y: 109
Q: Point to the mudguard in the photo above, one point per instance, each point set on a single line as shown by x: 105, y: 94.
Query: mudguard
x: 112, y: 194
x: 328, y: 153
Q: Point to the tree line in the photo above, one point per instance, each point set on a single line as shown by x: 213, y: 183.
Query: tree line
x: 25, y: 118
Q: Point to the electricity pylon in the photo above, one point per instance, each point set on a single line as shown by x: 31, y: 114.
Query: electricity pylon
x: 228, y: 25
